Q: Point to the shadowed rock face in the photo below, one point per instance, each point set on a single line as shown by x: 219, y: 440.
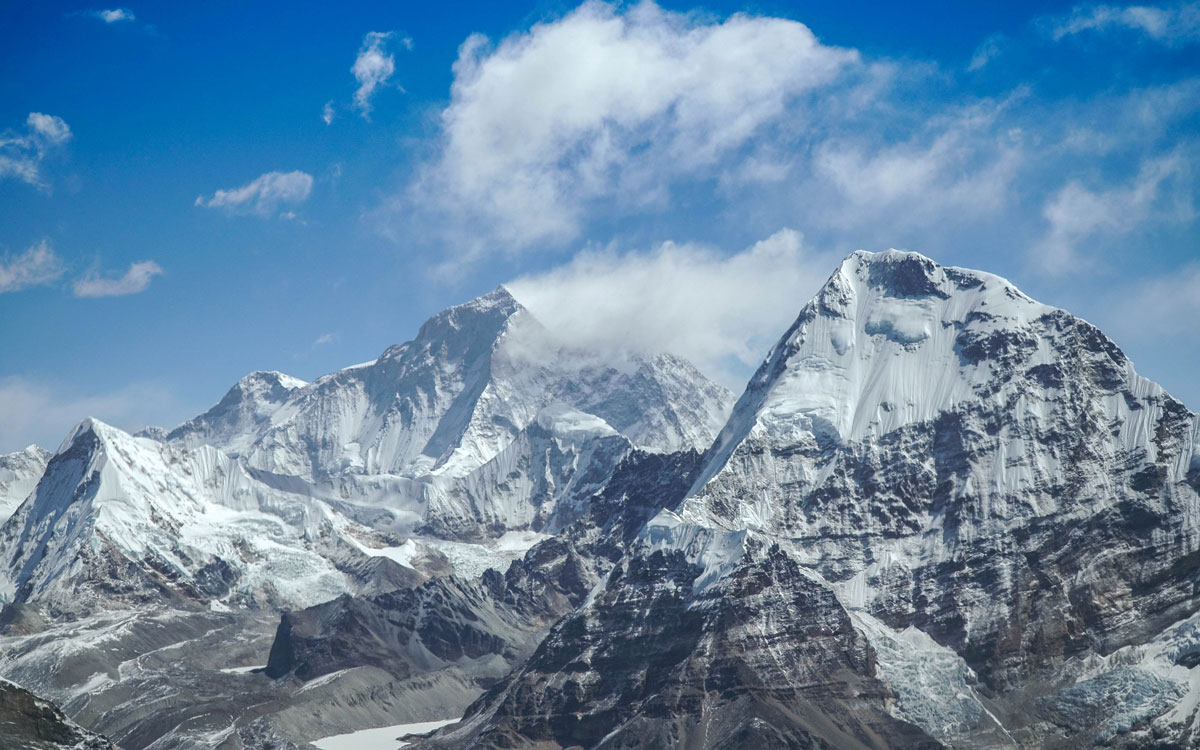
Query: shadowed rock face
x: 765, y: 658
x: 480, y: 629
x: 31, y: 723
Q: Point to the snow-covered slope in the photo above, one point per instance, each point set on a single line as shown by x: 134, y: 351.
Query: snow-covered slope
x: 117, y: 520
x: 236, y: 420
x: 19, y: 474
x: 419, y: 433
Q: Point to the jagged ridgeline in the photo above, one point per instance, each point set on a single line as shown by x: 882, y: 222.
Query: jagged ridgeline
x: 941, y: 514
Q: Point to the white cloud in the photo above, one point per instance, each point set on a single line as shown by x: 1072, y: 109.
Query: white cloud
x: 324, y: 338
x: 719, y: 311
x: 35, y: 411
x: 22, y: 154
x: 135, y: 280
x: 263, y: 195
x: 373, y: 66
x: 606, y: 103
x: 37, y: 265
x: 1170, y: 24
x: 958, y: 170
x: 327, y: 113
x: 1076, y: 214
x: 50, y: 130
x: 114, y: 15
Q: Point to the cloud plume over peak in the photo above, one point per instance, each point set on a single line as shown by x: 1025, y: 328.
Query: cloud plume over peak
x: 722, y: 312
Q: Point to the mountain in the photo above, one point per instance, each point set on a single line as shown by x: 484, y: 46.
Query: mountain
x: 413, y: 441
x: 19, y: 474
x: 143, y: 571
x: 970, y: 501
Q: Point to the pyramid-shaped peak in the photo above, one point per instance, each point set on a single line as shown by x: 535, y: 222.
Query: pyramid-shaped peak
x: 88, y: 428
x: 484, y: 317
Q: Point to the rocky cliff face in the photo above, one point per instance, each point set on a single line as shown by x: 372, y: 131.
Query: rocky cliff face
x: 764, y: 657
x: 31, y: 723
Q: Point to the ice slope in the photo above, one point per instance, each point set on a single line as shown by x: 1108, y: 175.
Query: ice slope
x: 19, y: 474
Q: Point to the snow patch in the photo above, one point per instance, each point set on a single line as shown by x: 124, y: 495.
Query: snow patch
x: 383, y: 738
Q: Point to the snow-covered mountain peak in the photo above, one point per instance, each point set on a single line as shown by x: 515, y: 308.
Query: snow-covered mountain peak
x: 892, y: 338
x: 465, y: 328
x: 19, y: 474
x: 235, y: 420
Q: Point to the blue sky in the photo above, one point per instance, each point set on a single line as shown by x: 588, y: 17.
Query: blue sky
x: 191, y: 191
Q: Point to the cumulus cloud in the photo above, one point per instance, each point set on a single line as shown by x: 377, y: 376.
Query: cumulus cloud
x: 33, y: 410
x: 722, y: 312
x: 1076, y: 214
x: 133, y: 281
x: 37, y: 265
x: 1170, y: 24
x: 373, y: 66
x: 262, y: 196
x: 606, y: 102
x: 22, y: 152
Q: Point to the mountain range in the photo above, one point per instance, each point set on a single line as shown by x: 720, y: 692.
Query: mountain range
x: 941, y: 514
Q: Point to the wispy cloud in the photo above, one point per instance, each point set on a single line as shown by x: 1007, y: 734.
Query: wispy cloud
x: 262, y: 196
x: 37, y: 265
x: 324, y: 338
x: 719, y: 311
x: 373, y: 67
x: 327, y: 112
x: 1076, y: 214
x: 1176, y: 24
x: 136, y: 279
x: 22, y: 153
x: 114, y: 15
x: 987, y: 51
